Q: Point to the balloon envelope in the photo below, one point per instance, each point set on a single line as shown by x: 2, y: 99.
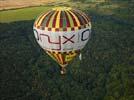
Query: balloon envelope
x: 62, y: 32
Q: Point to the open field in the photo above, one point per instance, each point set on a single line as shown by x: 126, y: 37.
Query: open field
x: 21, y: 14
x: 9, y: 4
x: 119, y: 10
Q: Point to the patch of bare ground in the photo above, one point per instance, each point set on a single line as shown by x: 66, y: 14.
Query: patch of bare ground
x: 10, y: 4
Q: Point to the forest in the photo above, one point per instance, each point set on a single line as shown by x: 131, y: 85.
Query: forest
x: 106, y: 71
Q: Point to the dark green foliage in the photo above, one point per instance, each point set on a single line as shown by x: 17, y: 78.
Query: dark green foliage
x: 106, y: 71
x: 17, y: 54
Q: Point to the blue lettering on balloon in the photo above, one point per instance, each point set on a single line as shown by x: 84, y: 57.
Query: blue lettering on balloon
x: 82, y: 36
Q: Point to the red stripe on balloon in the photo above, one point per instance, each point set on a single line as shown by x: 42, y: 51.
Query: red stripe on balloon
x: 74, y: 21
x: 54, y: 20
x: 78, y: 16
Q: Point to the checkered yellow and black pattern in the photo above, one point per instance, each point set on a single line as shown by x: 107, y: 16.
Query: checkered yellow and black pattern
x: 63, y: 58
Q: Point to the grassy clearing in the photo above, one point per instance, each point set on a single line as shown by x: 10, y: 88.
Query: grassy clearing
x: 121, y: 10
x: 22, y: 14
x: 9, y: 4
x: 27, y: 13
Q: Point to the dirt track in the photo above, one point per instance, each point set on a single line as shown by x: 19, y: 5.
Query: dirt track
x: 9, y: 4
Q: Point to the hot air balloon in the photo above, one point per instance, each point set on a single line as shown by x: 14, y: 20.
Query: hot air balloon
x: 62, y: 33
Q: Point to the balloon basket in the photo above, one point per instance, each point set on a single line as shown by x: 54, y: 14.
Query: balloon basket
x: 63, y: 71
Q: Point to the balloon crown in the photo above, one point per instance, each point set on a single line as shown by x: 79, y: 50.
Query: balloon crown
x: 61, y: 8
x: 61, y: 19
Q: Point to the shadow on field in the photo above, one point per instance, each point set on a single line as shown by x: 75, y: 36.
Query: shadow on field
x: 28, y: 74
